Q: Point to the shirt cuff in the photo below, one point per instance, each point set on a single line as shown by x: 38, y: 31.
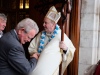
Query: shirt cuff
x: 64, y: 51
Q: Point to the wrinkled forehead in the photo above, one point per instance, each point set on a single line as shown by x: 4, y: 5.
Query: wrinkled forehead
x: 46, y: 19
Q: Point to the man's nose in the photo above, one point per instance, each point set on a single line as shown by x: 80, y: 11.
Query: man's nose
x: 43, y: 24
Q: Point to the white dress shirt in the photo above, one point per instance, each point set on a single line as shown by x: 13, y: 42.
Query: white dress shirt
x: 1, y: 33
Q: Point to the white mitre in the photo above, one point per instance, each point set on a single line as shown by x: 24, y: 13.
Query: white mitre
x: 53, y: 15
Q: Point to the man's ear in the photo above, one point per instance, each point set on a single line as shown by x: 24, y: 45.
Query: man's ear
x: 20, y: 31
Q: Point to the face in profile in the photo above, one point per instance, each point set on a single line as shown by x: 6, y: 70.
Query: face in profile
x: 48, y: 25
x: 2, y: 24
x: 26, y: 37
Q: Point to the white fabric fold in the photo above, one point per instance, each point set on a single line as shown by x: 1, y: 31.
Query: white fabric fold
x: 50, y: 58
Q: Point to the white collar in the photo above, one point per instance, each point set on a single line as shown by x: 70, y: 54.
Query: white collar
x: 1, y: 34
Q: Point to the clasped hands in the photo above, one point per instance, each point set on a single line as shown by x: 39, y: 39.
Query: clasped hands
x: 35, y: 55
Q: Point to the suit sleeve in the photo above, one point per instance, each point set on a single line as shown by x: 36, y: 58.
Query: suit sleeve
x: 17, y: 60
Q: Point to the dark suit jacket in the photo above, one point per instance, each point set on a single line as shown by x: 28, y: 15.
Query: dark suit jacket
x: 12, y: 56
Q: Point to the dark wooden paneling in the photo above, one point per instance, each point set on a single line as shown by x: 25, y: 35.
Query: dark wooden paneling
x: 35, y: 15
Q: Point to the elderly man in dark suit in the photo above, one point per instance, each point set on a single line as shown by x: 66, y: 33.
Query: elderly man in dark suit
x: 12, y: 54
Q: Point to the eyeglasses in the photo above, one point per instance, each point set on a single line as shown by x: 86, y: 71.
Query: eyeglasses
x: 27, y: 35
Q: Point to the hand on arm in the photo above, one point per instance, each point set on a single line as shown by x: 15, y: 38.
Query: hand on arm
x: 35, y: 55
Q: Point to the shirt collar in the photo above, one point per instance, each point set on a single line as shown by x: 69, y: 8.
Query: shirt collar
x: 16, y: 33
x: 1, y: 33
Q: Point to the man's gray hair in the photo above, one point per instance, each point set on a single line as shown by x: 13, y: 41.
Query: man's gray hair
x: 2, y: 15
x: 28, y: 24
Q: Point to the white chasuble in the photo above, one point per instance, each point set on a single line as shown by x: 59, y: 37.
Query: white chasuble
x: 50, y: 58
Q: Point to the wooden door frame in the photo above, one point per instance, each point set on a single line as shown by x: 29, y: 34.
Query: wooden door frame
x: 74, y: 35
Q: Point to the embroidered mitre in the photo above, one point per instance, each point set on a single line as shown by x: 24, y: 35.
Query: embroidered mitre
x: 53, y: 15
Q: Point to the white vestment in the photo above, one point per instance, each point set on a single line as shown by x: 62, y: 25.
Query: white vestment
x: 50, y: 58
